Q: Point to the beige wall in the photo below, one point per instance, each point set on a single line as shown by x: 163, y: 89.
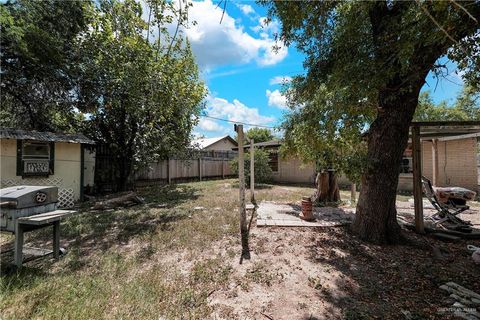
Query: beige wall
x: 456, y: 163
x: 66, y: 168
x: 291, y: 170
x: 223, y: 145
x: 459, y: 168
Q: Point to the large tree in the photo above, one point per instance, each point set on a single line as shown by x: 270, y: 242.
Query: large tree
x: 141, y: 88
x: 372, y: 58
x: 38, y: 62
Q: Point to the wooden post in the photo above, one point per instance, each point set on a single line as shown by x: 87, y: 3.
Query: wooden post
x: 252, y: 171
x: 417, y: 179
x: 435, y: 162
x: 241, y: 187
x: 200, y: 168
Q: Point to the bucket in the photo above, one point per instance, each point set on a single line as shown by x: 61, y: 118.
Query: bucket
x: 307, y: 209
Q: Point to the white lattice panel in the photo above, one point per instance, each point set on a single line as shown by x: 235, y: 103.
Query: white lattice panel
x: 65, y: 198
x: 57, y: 182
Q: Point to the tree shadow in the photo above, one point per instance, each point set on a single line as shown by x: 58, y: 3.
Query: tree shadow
x: 97, y: 231
x: 387, y: 282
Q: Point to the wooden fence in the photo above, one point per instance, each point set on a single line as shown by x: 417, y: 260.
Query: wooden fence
x: 202, y: 165
x: 173, y: 170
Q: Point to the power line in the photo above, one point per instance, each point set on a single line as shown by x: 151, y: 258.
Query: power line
x: 237, y: 122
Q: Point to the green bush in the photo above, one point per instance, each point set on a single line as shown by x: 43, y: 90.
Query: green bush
x: 263, y: 172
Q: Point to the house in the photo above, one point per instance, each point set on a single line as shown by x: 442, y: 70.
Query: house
x: 456, y: 157
x: 66, y: 161
x: 224, y: 143
x: 286, y: 169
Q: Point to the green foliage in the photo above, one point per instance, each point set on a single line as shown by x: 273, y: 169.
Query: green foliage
x: 259, y: 134
x: 317, y: 133
x: 363, y: 57
x: 466, y: 107
x: 141, y: 95
x: 39, y: 62
x: 137, y: 82
x: 263, y: 172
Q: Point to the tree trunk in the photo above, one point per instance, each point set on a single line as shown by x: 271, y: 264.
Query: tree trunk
x: 327, y: 187
x: 376, y: 215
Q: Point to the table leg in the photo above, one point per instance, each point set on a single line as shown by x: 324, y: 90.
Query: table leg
x: 18, y: 254
x: 56, y: 239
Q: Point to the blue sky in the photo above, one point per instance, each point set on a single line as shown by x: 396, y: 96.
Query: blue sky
x: 244, y: 74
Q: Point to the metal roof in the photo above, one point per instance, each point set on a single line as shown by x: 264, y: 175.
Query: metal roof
x: 6, y: 133
x: 438, y: 129
x: 206, y: 142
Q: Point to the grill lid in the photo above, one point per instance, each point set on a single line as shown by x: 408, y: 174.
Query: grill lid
x: 19, y: 197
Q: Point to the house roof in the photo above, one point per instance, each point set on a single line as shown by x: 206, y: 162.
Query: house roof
x: 271, y: 143
x: 206, y: 142
x: 6, y: 133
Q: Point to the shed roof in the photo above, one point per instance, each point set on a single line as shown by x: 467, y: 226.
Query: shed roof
x: 206, y: 142
x: 6, y: 133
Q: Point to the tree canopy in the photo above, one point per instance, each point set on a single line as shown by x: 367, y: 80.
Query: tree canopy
x: 366, y: 63
x: 259, y: 134
x: 101, y: 68
x: 39, y: 62
x: 466, y: 107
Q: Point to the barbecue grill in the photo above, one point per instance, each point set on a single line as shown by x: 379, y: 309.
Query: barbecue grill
x: 27, y: 208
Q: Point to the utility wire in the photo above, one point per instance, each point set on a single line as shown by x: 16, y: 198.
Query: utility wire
x: 237, y: 122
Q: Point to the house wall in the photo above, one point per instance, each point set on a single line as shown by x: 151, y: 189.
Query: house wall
x: 456, y: 163
x: 291, y: 170
x: 222, y: 145
x: 66, y: 169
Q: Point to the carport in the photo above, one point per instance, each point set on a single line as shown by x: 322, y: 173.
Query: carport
x: 435, y: 131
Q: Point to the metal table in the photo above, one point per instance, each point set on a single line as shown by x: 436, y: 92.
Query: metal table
x: 37, y: 221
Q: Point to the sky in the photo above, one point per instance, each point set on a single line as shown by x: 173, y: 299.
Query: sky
x: 244, y: 74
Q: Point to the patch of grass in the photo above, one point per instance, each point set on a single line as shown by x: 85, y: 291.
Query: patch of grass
x: 260, y: 274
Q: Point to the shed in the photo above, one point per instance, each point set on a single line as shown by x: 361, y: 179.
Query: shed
x: 66, y: 161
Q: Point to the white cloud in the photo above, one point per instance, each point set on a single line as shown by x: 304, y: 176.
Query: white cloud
x: 266, y: 28
x: 276, y: 99
x: 246, y: 9
x: 280, y: 80
x: 215, y: 43
x: 235, y: 111
x: 209, y: 125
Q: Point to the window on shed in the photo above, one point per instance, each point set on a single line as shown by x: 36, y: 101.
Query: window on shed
x: 35, y: 158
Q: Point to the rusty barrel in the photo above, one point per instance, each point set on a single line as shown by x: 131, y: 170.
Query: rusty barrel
x: 307, y: 209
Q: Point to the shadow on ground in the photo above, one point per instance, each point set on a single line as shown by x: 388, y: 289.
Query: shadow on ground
x: 96, y: 231
x: 390, y: 282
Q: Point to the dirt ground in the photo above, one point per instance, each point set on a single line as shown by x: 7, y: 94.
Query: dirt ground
x: 177, y: 257
x: 327, y: 273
